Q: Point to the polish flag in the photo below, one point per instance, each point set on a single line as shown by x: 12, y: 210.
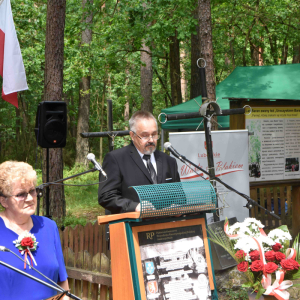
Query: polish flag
x: 11, y: 63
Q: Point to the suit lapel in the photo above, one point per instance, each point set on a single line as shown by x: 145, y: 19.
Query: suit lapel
x: 159, y: 166
x: 138, y: 161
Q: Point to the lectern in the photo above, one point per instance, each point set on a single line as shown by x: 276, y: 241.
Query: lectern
x: 163, y: 252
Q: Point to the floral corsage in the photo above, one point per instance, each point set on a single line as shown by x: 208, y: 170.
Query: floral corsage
x: 26, y: 243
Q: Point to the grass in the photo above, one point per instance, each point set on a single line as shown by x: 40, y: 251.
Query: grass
x: 82, y: 201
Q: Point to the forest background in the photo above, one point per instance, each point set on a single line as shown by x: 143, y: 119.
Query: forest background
x: 139, y: 54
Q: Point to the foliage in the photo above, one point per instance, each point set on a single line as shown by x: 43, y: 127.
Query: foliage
x: 240, y: 294
x: 242, y: 31
x: 296, y: 246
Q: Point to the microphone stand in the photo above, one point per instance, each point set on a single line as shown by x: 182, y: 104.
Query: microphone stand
x: 61, y: 290
x: 43, y: 185
x: 250, y: 203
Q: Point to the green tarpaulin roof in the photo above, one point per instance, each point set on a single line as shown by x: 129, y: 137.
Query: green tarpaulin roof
x: 280, y: 82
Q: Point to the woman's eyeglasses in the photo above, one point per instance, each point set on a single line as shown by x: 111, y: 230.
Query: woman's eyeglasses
x: 23, y: 196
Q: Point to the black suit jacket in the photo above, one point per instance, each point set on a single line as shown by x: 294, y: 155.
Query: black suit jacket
x: 125, y: 168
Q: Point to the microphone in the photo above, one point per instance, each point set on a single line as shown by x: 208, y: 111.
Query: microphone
x: 3, y: 249
x: 168, y: 146
x: 97, y: 166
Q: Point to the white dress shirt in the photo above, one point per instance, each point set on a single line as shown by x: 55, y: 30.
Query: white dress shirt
x: 152, y: 159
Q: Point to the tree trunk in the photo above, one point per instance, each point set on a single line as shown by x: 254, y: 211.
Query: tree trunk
x: 68, y: 98
x: 102, y: 116
x: 146, y: 78
x: 82, y: 144
x: 206, y: 46
x: 183, y: 80
x: 175, y: 70
x: 284, y: 56
x: 126, y: 107
x: 285, y: 47
x: 207, y: 53
x: 261, y: 59
x: 296, y: 54
x: 195, y: 89
x: 247, y: 41
x: 284, y: 53
x: 18, y: 123
x: 272, y: 41
x: 254, y: 55
x: 53, y: 89
x: 24, y: 129
x: 232, y: 53
x: 162, y: 82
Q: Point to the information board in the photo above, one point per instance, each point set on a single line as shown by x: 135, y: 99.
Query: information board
x: 173, y: 261
x: 274, y: 147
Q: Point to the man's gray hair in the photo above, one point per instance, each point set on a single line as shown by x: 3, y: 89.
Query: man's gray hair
x: 140, y: 115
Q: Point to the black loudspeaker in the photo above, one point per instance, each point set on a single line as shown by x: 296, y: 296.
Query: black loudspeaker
x: 51, y: 124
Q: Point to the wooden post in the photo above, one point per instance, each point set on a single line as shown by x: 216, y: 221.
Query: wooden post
x: 295, y: 210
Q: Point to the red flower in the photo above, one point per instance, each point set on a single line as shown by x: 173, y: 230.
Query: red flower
x: 240, y: 254
x: 27, y: 242
x: 289, y: 264
x: 270, y: 267
x: 270, y: 255
x: 279, y: 256
x: 296, y: 264
x: 254, y: 255
x: 257, y: 266
x: 243, y: 266
x: 276, y: 247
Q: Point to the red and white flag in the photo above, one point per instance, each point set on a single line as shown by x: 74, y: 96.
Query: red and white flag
x: 11, y: 63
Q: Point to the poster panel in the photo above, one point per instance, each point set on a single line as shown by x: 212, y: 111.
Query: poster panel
x: 274, y: 147
x: 173, y: 261
x: 230, y: 150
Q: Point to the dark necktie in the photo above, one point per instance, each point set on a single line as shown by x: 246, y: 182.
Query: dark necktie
x: 150, y: 167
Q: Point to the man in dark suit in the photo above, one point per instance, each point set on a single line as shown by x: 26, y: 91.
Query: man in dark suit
x: 136, y: 164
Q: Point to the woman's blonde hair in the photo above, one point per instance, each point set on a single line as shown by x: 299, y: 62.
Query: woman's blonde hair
x: 15, y: 170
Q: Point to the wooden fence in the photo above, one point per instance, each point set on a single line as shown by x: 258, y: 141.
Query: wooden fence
x: 277, y: 199
x: 88, y: 261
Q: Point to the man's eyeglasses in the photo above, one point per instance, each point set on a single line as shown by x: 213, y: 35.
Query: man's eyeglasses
x: 146, y: 138
x: 23, y: 196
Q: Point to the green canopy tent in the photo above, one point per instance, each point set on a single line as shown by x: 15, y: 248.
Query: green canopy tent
x: 279, y: 82
x: 192, y: 124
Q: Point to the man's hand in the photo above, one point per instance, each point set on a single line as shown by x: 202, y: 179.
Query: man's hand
x: 147, y: 205
x: 138, y: 208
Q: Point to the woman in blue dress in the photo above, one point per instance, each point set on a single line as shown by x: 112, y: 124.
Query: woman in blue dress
x: 33, y: 238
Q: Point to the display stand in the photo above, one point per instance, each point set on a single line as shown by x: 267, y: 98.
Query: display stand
x: 163, y: 252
